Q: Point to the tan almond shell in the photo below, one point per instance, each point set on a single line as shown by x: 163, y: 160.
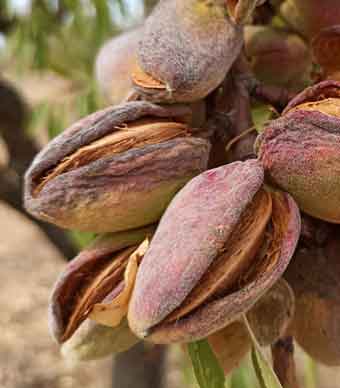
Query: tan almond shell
x: 73, y: 186
x: 72, y: 286
x: 226, y: 309
x: 201, y: 219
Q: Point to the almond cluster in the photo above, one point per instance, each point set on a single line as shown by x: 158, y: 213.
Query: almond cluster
x: 187, y: 245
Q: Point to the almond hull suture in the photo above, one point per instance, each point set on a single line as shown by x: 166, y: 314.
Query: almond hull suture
x: 201, y: 219
x: 183, y: 58
x: 116, y: 169
x: 96, y: 275
x: 300, y: 151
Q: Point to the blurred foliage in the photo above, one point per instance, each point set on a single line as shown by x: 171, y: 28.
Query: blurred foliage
x: 62, y: 37
x: 261, y: 115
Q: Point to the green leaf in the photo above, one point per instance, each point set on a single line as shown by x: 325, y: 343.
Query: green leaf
x: 55, y: 123
x: 244, y: 376
x: 228, y: 382
x: 240, y: 378
x: 82, y: 239
x: 208, y: 372
x: 264, y: 372
x: 310, y: 375
x: 261, y: 114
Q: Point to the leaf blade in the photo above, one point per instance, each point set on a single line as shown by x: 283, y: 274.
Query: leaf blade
x: 208, y: 372
x: 264, y: 372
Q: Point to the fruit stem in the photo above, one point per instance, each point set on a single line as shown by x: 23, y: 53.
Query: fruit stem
x: 276, y: 96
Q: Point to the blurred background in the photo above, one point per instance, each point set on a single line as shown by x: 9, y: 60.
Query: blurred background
x: 47, y: 54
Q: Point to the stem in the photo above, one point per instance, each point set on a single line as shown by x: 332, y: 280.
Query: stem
x: 230, y: 112
x: 310, y: 372
x: 276, y: 96
x: 240, y: 137
x: 284, y: 364
x: 243, y: 142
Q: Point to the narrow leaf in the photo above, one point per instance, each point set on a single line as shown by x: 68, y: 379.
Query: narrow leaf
x: 240, y: 377
x: 310, y: 368
x: 264, y: 372
x: 261, y: 115
x: 207, y: 370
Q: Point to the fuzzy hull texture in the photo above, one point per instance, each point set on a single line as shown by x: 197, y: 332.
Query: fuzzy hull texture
x: 192, y: 234
x: 189, y: 46
x: 114, y: 192
x: 300, y: 152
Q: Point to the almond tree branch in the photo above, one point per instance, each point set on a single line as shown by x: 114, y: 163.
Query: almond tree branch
x: 22, y: 149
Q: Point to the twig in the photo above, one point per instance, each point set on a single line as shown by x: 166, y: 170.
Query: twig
x: 230, y: 113
x: 276, y: 96
x: 236, y: 139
